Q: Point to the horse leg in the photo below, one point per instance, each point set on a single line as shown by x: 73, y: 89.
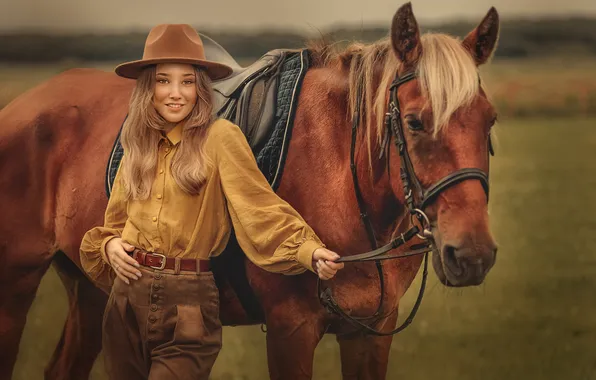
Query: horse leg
x: 81, y: 338
x: 292, y: 337
x: 365, y: 357
x: 19, y: 282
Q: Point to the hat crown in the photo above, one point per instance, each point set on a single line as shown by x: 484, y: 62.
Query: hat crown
x: 173, y: 41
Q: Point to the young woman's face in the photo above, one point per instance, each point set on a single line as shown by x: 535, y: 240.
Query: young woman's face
x: 175, y: 92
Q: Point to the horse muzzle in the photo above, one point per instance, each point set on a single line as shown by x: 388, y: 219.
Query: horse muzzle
x: 464, y: 264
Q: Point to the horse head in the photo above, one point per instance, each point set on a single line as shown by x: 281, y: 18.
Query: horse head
x: 444, y: 118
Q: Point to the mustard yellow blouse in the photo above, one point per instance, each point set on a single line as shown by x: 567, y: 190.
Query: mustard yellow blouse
x: 270, y: 232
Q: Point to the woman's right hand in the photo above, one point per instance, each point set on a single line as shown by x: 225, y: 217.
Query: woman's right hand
x: 124, y: 265
x: 323, y: 260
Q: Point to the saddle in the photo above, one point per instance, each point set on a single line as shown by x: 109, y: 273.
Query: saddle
x: 248, y: 96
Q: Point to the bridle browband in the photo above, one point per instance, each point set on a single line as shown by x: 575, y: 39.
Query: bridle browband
x: 417, y: 199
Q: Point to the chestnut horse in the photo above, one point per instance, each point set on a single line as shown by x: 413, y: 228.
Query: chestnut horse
x: 54, y: 141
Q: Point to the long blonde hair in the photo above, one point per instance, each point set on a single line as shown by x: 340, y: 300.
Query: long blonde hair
x: 142, y: 131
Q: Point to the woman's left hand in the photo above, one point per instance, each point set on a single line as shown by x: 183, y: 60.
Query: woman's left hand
x: 324, y: 263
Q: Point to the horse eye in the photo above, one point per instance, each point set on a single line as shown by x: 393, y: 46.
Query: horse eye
x: 415, y: 124
x: 493, y: 121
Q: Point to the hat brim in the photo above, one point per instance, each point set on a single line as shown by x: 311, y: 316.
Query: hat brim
x: 133, y: 69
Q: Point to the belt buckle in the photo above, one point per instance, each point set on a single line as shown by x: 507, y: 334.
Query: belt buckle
x: 163, y: 261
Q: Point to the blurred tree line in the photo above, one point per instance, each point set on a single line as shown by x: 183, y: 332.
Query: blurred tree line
x: 518, y: 39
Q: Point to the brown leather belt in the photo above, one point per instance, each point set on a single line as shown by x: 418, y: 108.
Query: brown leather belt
x: 160, y: 262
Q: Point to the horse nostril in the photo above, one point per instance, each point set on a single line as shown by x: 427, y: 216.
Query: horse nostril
x: 451, y: 259
x: 449, y: 253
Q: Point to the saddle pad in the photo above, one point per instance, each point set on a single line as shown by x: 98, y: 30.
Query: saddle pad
x: 271, y: 158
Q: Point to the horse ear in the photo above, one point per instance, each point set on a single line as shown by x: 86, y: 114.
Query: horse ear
x: 481, y: 42
x: 405, y: 36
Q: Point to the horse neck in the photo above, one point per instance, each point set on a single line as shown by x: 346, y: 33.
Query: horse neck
x: 375, y: 174
x: 317, y: 179
x: 376, y: 178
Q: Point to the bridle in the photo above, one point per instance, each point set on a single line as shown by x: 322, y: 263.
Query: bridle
x: 417, y: 199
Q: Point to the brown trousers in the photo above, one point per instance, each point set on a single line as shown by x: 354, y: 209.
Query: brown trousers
x: 162, y: 326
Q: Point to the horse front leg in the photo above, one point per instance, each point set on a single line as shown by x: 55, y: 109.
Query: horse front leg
x: 81, y: 337
x: 293, y: 333
x: 365, y: 357
x: 294, y: 318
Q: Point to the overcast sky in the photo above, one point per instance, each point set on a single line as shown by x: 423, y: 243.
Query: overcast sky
x: 301, y: 15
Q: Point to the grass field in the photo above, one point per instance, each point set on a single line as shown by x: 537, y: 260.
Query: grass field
x: 535, y: 316
x: 550, y: 87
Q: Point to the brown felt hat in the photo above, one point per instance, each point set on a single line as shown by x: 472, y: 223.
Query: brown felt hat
x: 173, y: 43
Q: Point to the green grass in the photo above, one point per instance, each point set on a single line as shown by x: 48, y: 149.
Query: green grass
x: 535, y: 316
x: 547, y: 87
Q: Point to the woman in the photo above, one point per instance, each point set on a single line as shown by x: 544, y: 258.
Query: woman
x: 185, y: 180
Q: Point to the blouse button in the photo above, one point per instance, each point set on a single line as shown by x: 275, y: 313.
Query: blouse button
x: 154, y: 219
x: 160, y: 171
x: 158, y: 196
x: 167, y: 150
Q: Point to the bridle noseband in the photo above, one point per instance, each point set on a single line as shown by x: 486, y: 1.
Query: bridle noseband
x: 417, y: 199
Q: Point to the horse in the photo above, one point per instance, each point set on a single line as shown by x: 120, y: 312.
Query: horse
x: 54, y: 137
